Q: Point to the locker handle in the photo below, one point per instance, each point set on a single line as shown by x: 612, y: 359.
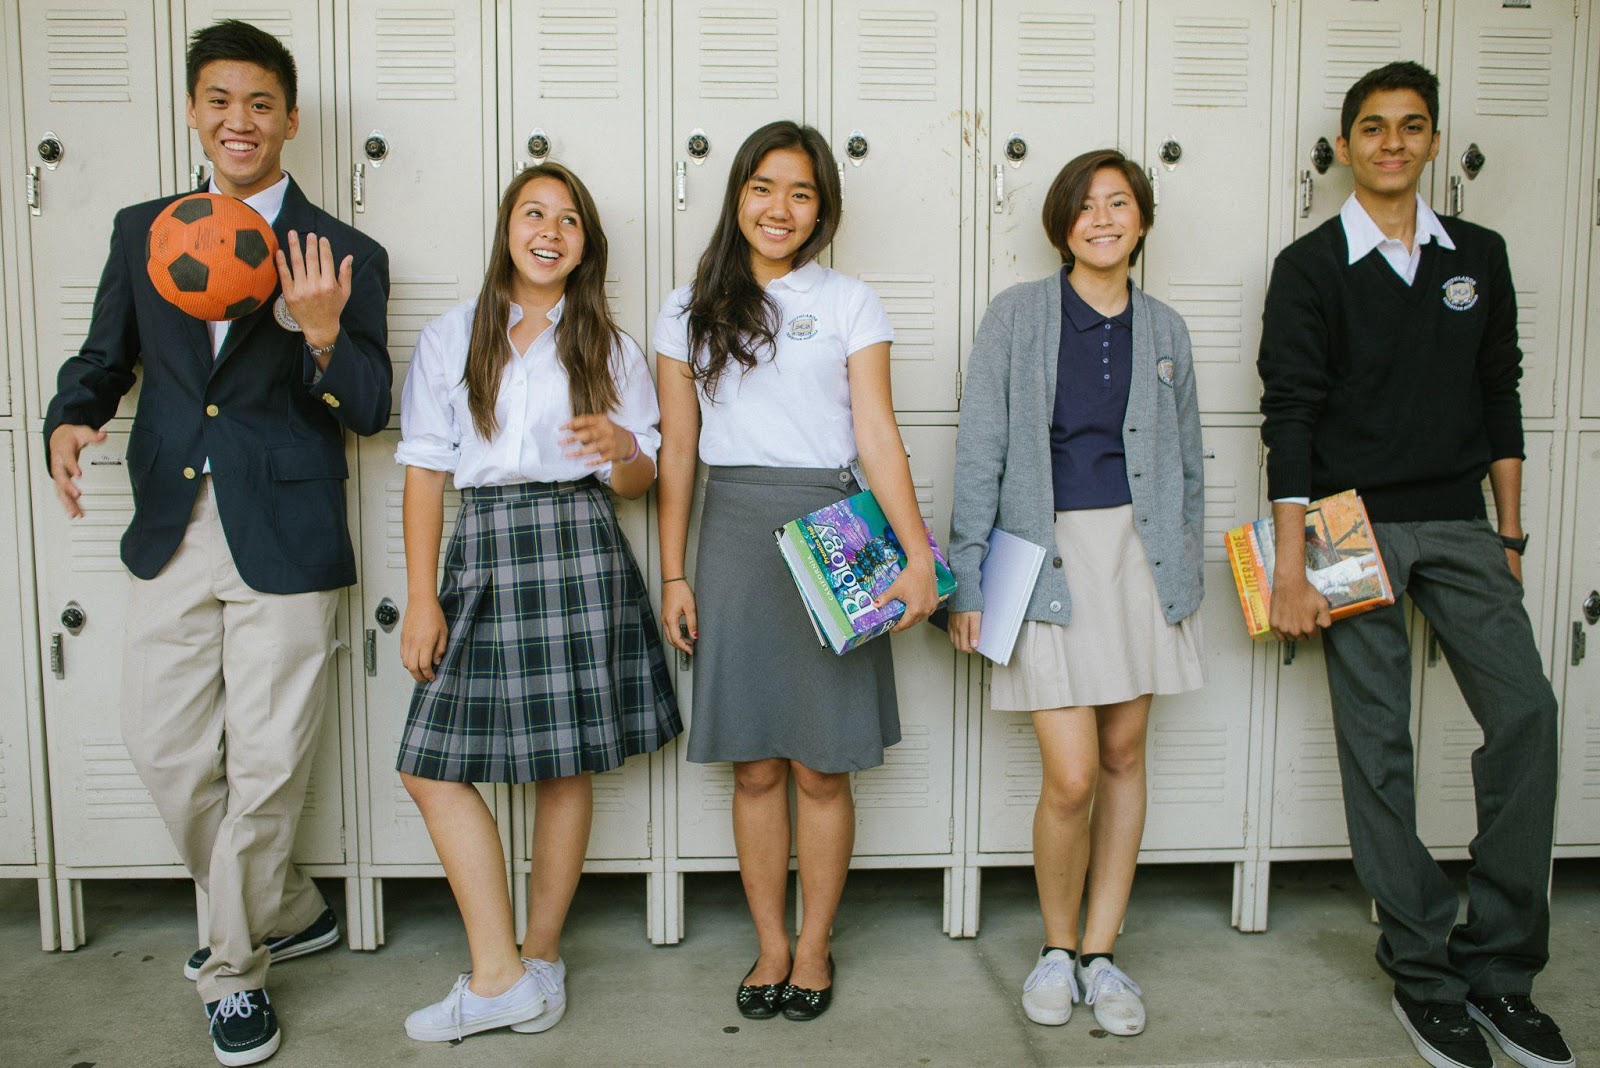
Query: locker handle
x: 1155, y: 185
x: 30, y: 180
x: 1288, y: 653
x: 680, y: 185
x: 58, y: 660
x: 197, y: 175
x: 1456, y: 200
x: 358, y: 185
x: 1580, y: 644
x: 370, y: 653
x: 1433, y: 646
x: 999, y: 188
x: 1306, y: 188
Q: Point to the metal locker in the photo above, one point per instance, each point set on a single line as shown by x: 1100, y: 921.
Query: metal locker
x: 733, y: 70
x: 1509, y: 91
x: 296, y: 24
x: 900, y: 137
x: 1340, y: 40
x: 419, y: 130
x: 1446, y: 731
x: 1307, y: 795
x: 1589, y: 369
x: 1198, y: 745
x: 1054, y: 81
x: 1578, y: 803
x: 1207, y: 144
x: 89, y: 75
x: 19, y: 820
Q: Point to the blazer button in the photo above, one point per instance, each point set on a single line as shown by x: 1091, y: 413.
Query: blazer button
x: 1055, y: 606
x: 212, y: 410
x: 1056, y: 562
x: 188, y: 472
x: 330, y: 400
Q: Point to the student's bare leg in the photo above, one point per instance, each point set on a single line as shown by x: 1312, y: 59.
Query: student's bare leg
x: 761, y: 836
x: 464, y: 834
x: 1068, y: 750
x: 563, y: 814
x: 1117, y: 824
x: 826, y: 837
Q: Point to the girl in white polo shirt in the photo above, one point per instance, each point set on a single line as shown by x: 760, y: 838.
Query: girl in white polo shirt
x: 775, y: 370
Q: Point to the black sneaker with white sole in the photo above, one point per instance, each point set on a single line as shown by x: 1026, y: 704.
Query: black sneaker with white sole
x: 1442, y: 1032
x: 244, y: 1029
x: 1528, y: 1036
x: 322, y: 934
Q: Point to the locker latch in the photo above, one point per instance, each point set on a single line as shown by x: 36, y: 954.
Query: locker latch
x: 1580, y: 644
x: 58, y: 661
x: 1288, y: 653
x: 369, y: 653
x: 197, y: 175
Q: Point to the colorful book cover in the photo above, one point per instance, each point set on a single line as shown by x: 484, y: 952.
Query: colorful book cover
x: 842, y: 558
x: 1342, y: 561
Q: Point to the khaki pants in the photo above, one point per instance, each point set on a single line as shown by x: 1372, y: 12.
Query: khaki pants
x: 223, y: 690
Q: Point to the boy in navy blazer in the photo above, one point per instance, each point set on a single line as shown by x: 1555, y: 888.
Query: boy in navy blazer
x: 239, y: 544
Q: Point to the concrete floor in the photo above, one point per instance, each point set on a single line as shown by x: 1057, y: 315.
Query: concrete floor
x: 1306, y: 992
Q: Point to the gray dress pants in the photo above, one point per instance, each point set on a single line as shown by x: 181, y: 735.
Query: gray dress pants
x: 1455, y: 572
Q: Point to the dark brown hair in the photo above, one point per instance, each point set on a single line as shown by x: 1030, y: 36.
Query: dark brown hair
x: 586, y: 337
x: 1402, y: 75
x: 1071, y: 188
x: 731, y: 318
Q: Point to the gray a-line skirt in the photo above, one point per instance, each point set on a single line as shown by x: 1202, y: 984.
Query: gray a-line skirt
x: 763, y: 684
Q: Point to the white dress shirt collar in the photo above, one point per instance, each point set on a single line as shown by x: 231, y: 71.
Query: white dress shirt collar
x: 268, y: 202
x: 1362, y: 235
x: 554, y: 315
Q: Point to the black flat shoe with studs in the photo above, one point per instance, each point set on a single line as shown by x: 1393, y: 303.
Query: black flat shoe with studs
x: 802, y: 1004
x: 762, y: 1001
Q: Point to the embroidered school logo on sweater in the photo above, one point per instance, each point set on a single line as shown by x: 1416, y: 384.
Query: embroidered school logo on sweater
x: 802, y: 327
x: 1164, y: 370
x: 1461, y: 292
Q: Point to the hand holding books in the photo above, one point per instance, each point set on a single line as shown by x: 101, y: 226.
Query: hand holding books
x: 916, y: 587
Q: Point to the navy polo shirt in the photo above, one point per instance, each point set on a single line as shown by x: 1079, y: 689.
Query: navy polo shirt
x: 1093, y: 373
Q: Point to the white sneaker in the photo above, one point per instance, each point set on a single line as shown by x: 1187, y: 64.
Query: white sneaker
x: 464, y: 1013
x: 552, y: 982
x: 1051, y: 989
x: 1117, y: 1000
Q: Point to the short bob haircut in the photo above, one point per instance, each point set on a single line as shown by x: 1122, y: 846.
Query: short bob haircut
x: 1071, y: 188
x: 1402, y: 75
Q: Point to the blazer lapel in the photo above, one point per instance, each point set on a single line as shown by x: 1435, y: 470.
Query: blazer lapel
x: 294, y: 215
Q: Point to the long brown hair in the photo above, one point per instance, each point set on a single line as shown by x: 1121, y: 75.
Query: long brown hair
x: 1064, y: 202
x: 586, y: 337
x: 731, y: 318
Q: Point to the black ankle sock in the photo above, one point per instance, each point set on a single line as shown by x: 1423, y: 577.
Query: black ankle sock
x: 1072, y: 954
x: 1089, y: 958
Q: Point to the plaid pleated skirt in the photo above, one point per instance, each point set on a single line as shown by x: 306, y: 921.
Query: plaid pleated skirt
x: 552, y: 665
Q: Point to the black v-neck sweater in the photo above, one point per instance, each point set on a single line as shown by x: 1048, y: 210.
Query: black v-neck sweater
x: 1404, y: 393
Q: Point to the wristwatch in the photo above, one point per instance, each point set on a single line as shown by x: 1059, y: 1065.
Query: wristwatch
x: 1516, y: 545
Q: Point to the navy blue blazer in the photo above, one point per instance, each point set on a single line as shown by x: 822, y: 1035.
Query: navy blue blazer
x: 275, y: 440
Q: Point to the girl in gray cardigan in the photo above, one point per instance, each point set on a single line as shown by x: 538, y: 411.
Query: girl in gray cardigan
x: 1081, y: 394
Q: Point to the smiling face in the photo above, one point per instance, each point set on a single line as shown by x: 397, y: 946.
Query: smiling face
x: 240, y: 112
x: 1390, y: 143
x: 545, y: 236
x: 1108, y: 225
x: 778, y: 210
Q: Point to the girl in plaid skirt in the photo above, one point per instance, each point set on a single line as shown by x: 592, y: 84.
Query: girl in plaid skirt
x: 538, y: 659
x: 775, y: 371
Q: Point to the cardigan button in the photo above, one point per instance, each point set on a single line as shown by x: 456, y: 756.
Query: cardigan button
x: 1055, y: 606
x: 1056, y: 562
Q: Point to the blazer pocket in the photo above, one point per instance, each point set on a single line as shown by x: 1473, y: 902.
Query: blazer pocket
x: 143, y: 445
x: 307, y: 497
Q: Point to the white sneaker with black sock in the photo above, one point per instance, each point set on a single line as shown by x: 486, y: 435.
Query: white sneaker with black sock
x: 1051, y: 989
x: 1117, y: 1000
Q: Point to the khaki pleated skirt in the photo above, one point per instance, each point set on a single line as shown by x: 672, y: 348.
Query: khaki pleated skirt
x: 1118, y: 644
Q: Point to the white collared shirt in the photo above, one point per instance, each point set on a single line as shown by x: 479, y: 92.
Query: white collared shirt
x: 792, y: 409
x: 1363, y: 235
x: 436, y: 429
x: 267, y: 203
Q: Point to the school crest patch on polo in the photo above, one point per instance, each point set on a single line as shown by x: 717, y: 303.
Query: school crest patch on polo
x: 1164, y: 370
x: 802, y: 327
x: 1461, y: 292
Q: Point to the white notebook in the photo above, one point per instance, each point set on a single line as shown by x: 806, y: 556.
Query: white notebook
x: 1009, y: 573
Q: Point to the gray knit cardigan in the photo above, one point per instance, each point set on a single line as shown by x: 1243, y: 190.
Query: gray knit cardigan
x: 1003, y: 466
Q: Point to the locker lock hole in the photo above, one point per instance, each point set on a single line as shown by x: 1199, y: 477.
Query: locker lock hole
x: 375, y: 147
x: 856, y: 147
x: 1322, y: 155
x: 1591, y: 608
x: 51, y: 150
x: 1016, y: 150
x: 538, y: 145
x: 387, y: 614
x: 1170, y: 152
x: 73, y: 617
x: 699, y: 146
x: 1472, y: 160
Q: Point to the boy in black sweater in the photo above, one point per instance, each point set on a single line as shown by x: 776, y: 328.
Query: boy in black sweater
x: 1390, y: 364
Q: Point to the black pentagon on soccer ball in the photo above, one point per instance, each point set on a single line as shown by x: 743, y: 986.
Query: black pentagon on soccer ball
x: 189, y: 274
x: 240, y: 308
x: 250, y: 246
x: 192, y: 210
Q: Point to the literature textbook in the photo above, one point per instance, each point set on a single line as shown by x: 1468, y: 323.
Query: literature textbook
x: 842, y: 557
x: 1342, y: 561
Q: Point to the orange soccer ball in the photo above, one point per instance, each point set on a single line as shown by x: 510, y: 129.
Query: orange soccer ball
x: 212, y: 256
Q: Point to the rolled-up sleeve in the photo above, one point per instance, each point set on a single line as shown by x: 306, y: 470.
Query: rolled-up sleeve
x: 637, y: 409
x: 430, y: 436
